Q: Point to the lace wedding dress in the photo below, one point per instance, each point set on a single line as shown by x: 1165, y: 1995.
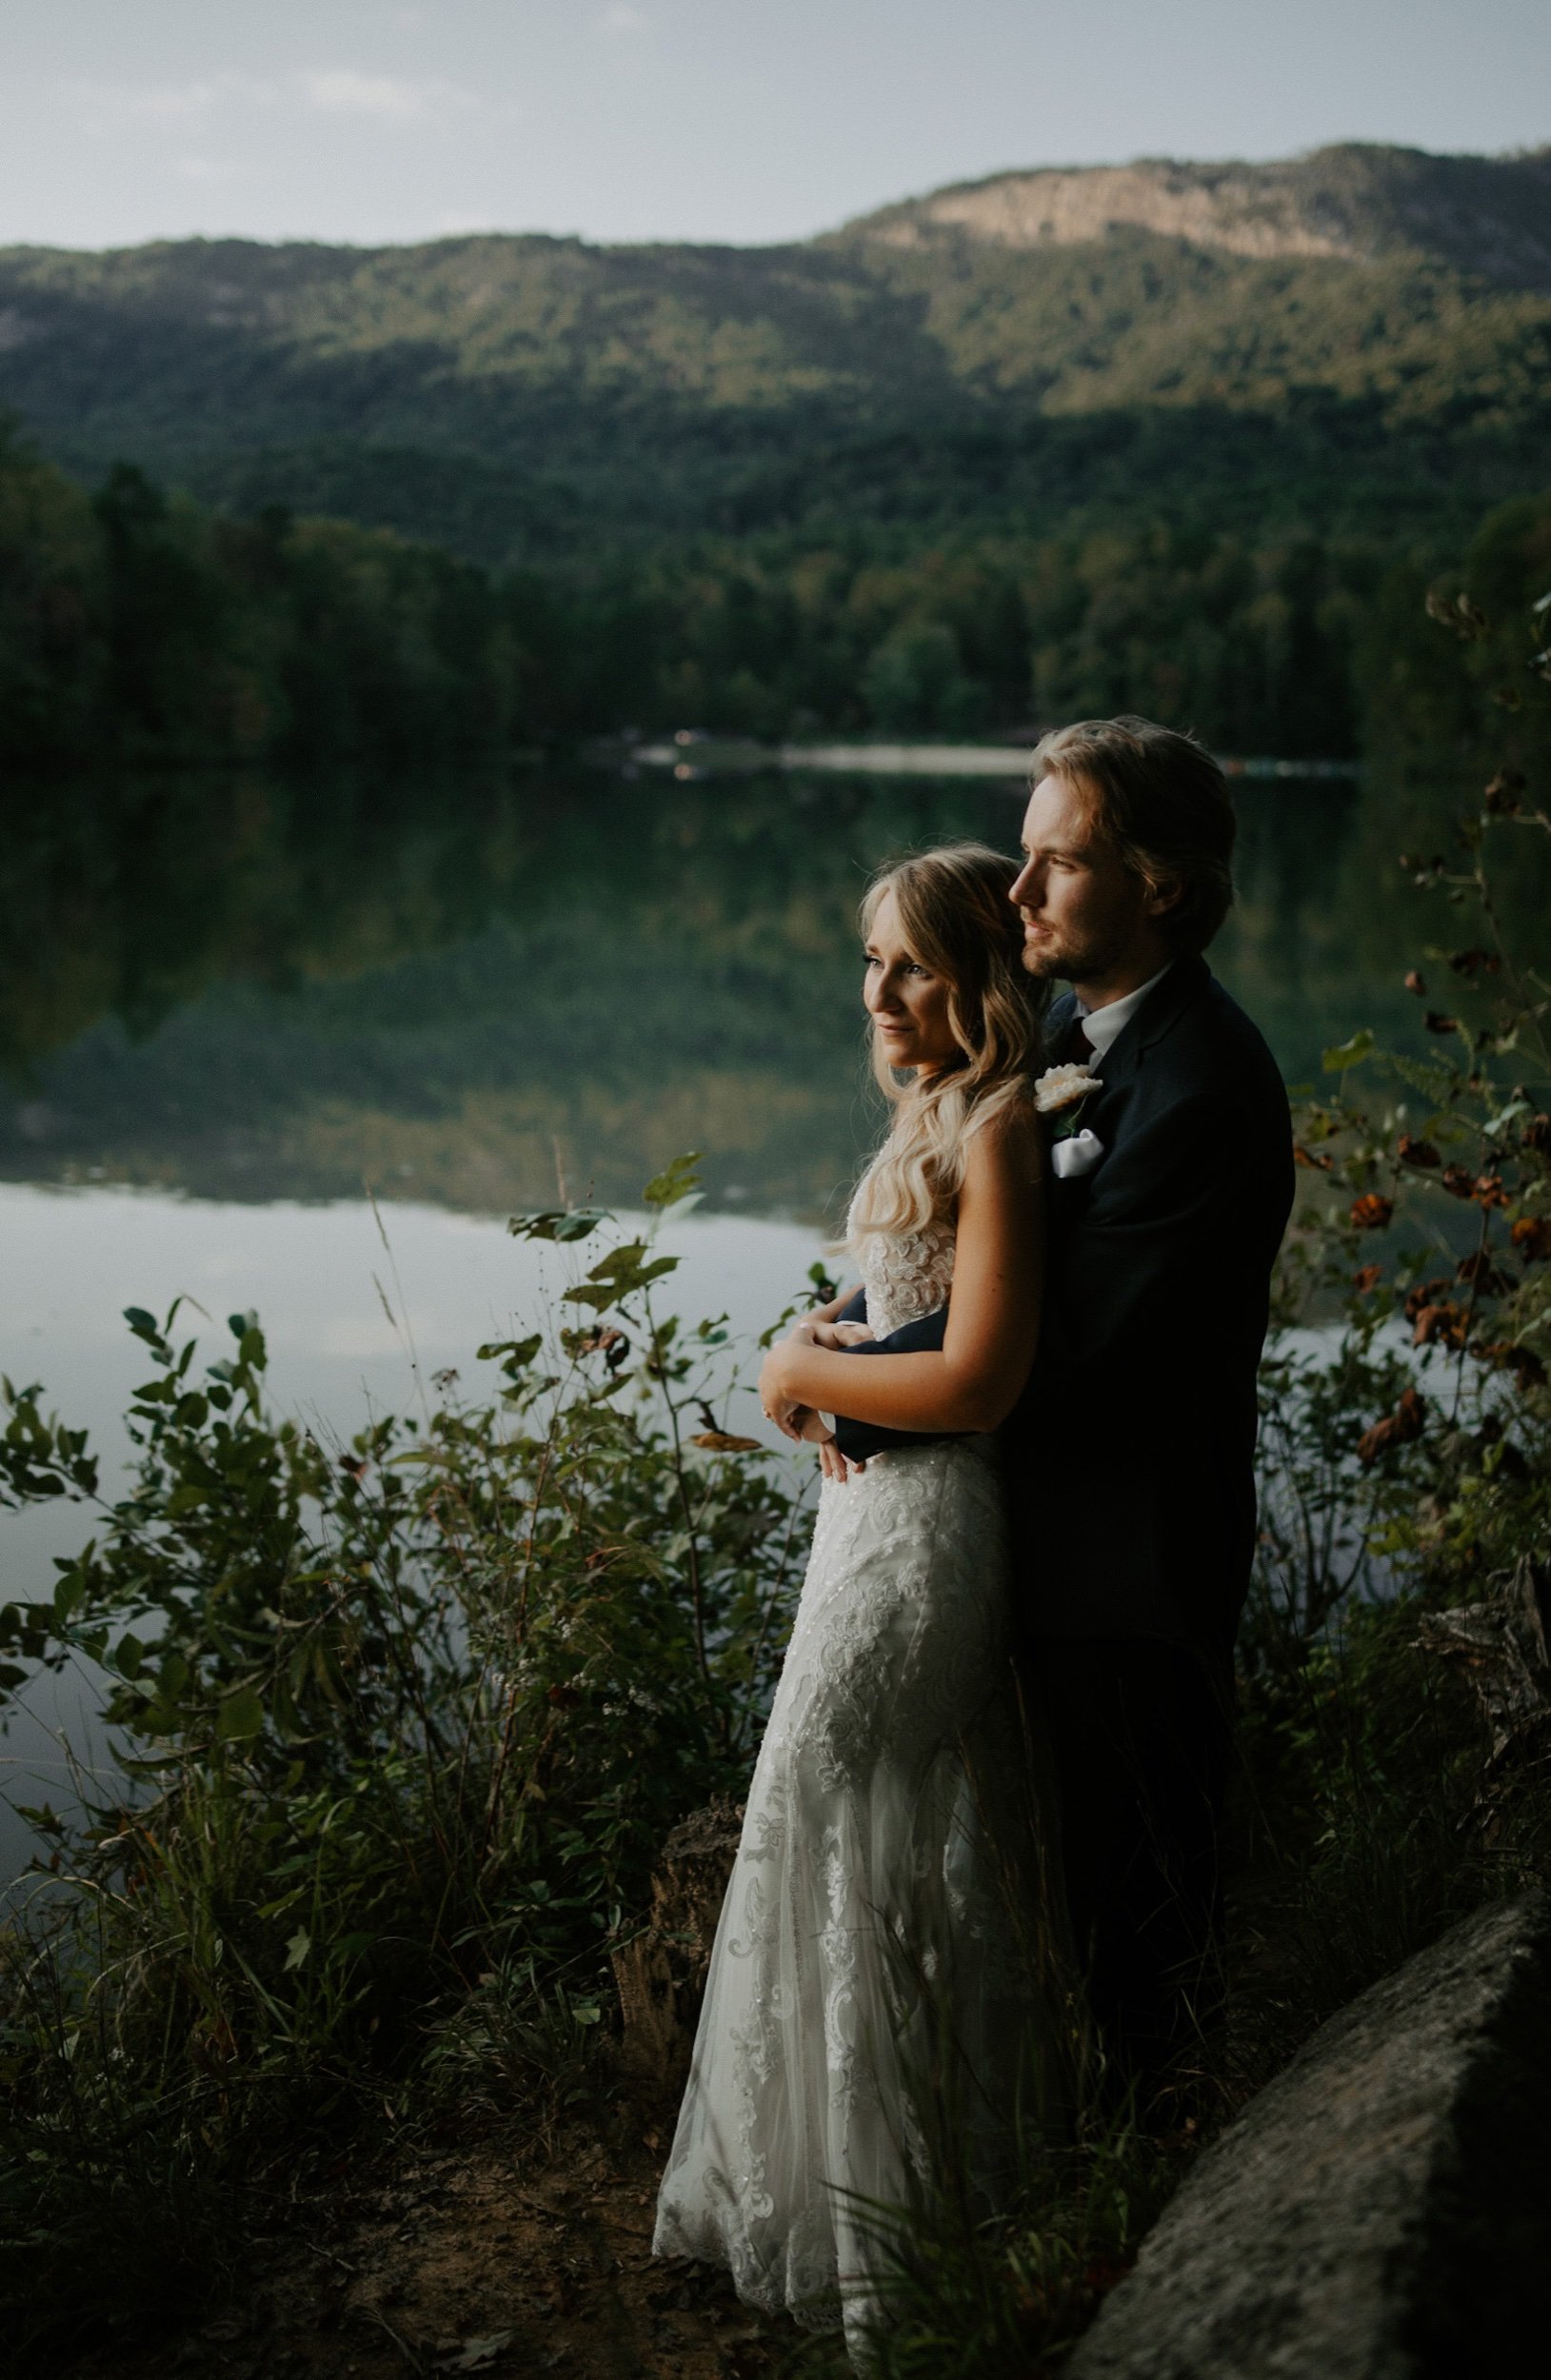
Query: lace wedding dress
x: 875, y: 1989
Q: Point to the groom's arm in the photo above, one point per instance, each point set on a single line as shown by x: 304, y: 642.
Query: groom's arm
x: 859, y: 1440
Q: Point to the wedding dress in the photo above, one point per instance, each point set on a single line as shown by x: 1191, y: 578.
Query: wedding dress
x: 875, y: 1987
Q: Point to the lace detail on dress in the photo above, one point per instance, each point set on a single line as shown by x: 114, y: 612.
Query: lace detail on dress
x: 905, y: 1274
x: 882, y: 1918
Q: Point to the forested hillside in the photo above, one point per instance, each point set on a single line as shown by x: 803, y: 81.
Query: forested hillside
x: 1162, y: 435
x: 1366, y: 329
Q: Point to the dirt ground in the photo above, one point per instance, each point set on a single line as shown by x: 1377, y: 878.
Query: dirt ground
x: 474, y: 2259
x: 509, y: 2245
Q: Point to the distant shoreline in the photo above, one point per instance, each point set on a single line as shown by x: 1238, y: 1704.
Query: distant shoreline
x: 690, y: 754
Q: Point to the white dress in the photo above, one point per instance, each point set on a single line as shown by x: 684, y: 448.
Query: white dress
x: 875, y: 2010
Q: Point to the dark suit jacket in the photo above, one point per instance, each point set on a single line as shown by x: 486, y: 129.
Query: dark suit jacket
x: 1130, y: 1454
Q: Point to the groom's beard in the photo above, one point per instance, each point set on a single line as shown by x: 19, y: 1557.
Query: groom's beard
x: 1075, y: 958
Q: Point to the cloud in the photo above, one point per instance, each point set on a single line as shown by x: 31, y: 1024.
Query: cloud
x: 207, y: 170
x: 384, y: 98
x: 177, y: 103
x: 622, y: 18
x: 344, y: 91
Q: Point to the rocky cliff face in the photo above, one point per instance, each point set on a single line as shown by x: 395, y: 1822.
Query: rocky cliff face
x: 1486, y: 214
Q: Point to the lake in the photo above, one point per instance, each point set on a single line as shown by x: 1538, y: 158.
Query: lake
x: 233, y: 1005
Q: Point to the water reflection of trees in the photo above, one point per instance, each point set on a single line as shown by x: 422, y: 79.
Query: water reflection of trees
x: 265, y: 986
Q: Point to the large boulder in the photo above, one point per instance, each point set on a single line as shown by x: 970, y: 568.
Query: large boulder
x: 1382, y: 2210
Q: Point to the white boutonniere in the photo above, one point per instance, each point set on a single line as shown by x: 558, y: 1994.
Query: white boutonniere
x: 1060, y: 1091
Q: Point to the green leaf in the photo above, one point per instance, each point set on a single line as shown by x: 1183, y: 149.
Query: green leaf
x: 517, y: 1352
x: 676, y: 1182
x: 297, y: 1949
x: 619, y: 1275
x: 68, y: 1593
x: 1347, y: 1053
x: 574, y: 1222
x: 1437, y: 1084
x: 621, y: 1264
x: 43, y: 1821
x: 173, y: 1677
x: 240, y: 1715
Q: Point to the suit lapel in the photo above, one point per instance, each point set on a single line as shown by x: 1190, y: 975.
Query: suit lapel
x: 1058, y: 1025
x: 1186, y: 981
x: 1158, y: 1015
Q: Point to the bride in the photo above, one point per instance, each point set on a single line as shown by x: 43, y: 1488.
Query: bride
x: 873, y: 2015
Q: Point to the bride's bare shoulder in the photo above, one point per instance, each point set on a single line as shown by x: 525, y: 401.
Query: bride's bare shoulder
x: 1008, y: 1146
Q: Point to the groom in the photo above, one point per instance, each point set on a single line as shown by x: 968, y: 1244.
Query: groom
x: 1130, y: 1454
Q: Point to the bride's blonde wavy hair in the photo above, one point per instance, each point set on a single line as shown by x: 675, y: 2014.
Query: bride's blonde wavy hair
x: 957, y: 921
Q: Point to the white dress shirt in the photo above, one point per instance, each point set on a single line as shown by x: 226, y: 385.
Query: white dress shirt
x: 1104, y: 1026
x: 1080, y: 1151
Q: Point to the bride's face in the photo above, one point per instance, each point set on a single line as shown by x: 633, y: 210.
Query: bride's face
x: 907, y: 1004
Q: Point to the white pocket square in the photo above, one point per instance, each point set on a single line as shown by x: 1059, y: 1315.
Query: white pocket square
x: 1078, y: 1154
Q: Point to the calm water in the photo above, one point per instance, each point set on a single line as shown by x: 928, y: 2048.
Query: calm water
x: 257, y: 990
x: 228, y: 1005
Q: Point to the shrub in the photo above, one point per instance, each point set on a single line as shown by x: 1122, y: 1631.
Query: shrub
x: 398, y: 1723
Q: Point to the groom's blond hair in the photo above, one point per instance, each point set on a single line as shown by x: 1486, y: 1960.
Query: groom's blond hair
x: 1161, y: 802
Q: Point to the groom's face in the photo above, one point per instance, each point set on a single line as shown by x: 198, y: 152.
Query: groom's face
x: 1084, y: 913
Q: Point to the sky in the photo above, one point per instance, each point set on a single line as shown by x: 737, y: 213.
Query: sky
x: 722, y: 120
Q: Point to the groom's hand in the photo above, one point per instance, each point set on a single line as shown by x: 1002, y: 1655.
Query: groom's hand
x: 818, y: 1433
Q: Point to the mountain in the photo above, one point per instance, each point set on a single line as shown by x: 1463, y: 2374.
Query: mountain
x: 1361, y: 336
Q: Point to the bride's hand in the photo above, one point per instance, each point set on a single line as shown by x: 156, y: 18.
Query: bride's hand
x: 775, y: 1403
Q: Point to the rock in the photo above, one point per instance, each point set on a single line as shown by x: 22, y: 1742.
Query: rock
x: 1382, y: 2210
x: 1487, y: 215
x: 661, y: 1975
